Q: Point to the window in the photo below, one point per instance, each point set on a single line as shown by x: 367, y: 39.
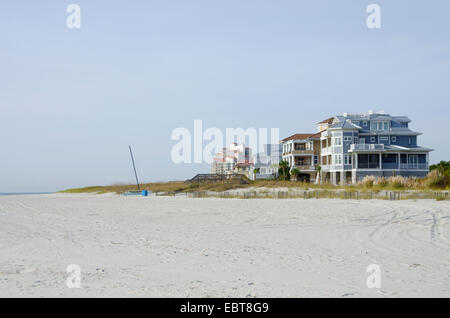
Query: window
x: 362, y: 141
x: 347, y: 159
x: 409, y: 140
x: 316, y: 160
x: 365, y: 123
x: 338, y: 159
x: 356, y: 140
x: 337, y: 141
x: 379, y: 125
x: 393, y: 139
x: 347, y: 138
x: 372, y: 139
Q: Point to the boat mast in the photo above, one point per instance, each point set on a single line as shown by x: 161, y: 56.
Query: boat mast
x: 134, y: 168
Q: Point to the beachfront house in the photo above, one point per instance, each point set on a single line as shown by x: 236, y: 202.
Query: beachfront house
x: 375, y: 143
x: 302, y: 152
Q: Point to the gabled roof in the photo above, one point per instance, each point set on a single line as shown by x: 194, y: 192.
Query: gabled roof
x: 327, y: 121
x: 297, y: 137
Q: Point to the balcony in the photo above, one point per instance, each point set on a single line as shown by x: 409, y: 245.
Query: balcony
x: 304, y: 167
x: 298, y: 152
x: 366, y: 147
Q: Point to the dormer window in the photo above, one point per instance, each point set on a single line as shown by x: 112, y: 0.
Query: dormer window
x: 379, y: 125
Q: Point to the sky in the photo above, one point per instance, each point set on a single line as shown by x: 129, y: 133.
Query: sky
x: 72, y: 100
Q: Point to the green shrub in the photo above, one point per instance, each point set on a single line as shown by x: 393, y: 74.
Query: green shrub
x: 435, y: 179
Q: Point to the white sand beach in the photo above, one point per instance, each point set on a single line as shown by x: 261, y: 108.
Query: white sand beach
x: 185, y: 247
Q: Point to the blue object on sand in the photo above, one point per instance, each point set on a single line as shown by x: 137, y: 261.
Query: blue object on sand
x: 144, y: 193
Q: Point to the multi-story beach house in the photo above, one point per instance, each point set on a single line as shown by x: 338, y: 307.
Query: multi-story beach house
x: 302, y: 151
x: 375, y: 143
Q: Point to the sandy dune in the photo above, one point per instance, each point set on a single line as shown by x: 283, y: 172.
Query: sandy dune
x: 177, y: 246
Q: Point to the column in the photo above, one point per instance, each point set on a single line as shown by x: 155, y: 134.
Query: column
x: 381, y: 166
x: 343, y: 178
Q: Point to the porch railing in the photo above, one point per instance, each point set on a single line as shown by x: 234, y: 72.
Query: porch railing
x: 366, y: 147
x: 304, y: 167
x: 413, y: 166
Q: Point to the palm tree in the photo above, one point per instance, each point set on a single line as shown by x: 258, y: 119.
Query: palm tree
x: 283, y: 170
x: 294, y: 173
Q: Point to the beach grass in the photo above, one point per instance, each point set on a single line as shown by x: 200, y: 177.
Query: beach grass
x: 181, y: 187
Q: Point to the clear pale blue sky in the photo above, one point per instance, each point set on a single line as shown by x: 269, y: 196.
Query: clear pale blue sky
x: 72, y: 100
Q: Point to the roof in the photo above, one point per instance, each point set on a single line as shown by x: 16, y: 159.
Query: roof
x: 317, y: 135
x: 298, y: 137
x: 403, y: 119
x: 392, y: 131
x: 394, y: 148
x: 346, y: 124
x: 327, y: 121
x: 417, y: 148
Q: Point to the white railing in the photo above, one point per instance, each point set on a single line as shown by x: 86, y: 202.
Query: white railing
x: 366, y: 147
x: 413, y: 166
x: 326, y: 151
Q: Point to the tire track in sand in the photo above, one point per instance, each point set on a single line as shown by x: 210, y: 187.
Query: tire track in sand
x: 375, y: 240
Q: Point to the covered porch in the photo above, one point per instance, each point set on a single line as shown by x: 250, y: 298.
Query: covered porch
x: 394, y: 161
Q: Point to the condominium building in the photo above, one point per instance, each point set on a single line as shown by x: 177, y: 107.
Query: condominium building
x: 233, y: 159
